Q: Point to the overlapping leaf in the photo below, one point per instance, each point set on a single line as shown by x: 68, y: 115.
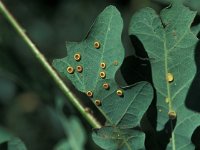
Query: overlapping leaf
x: 170, y: 45
x: 124, y: 113
x: 119, y: 139
x: 193, y: 4
x: 121, y: 111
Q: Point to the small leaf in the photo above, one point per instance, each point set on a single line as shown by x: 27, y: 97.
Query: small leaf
x: 113, y: 139
x: 124, y: 116
x: 169, y: 40
x: 125, y: 111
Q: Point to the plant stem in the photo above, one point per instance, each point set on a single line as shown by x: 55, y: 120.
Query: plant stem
x: 73, y: 99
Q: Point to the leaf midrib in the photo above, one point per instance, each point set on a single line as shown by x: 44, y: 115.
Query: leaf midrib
x: 170, y: 106
x: 103, y: 49
x: 168, y: 87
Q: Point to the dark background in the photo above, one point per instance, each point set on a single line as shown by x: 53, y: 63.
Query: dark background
x: 27, y: 93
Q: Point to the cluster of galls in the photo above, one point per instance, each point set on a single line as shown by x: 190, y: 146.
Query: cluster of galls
x: 102, y: 74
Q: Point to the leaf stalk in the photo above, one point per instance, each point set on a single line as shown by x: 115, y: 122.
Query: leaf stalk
x: 40, y: 57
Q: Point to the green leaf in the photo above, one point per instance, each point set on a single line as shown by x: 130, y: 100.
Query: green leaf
x: 125, y: 111
x: 4, y: 135
x: 63, y: 145
x: 14, y: 143
x: 114, y: 138
x: 196, y: 29
x: 170, y: 45
x: 76, y: 136
x: 122, y: 112
x: 193, y: 4
x: 75, y: 132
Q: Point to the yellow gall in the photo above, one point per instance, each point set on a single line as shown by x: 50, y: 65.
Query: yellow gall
x: 172, y: 115
x: 170, y: 77
x: 70, y: 70
x: 119, y: 92
x: 89, y: 93
x: 77, y: 57
x: 102, y: 74
x: 103, y: 65
x: 167, y: 100
x: 96, y: 45
x: 97, y: 102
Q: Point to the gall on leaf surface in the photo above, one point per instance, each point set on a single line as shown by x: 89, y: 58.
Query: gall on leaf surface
x: 169, y: 40
x: 101, y: 54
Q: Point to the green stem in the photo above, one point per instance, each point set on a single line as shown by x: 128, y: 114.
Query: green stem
x: 74, y: 100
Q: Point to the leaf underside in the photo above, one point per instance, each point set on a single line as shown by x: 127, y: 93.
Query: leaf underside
x: 170, y: 45
x: 121, y: 112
